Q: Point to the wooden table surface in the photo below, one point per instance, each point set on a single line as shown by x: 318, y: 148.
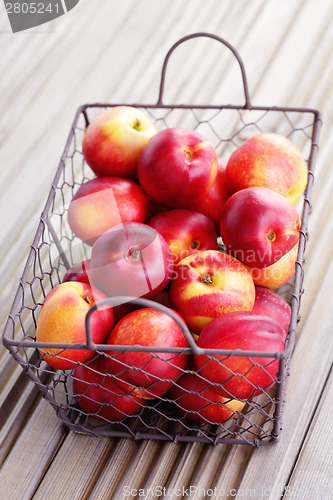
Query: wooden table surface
x: 112, y: 51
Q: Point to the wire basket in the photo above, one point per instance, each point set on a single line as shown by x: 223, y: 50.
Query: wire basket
x: 55, y: 248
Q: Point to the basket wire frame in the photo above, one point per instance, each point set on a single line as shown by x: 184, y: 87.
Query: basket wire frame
x: 54, y: 249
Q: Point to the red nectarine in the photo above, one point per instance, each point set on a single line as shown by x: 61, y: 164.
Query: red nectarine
x: 98, y: 395
x: 186, y: 232
x: 194, y: 398
x: 114, y: 140
x: 208, y: 284
x: 148, y: 374
x: 177, y: 167
x: 268, y: 160
x: 259, y: 226
x: 131, y: 259
x: 237, y: 376
x: 104, y: 202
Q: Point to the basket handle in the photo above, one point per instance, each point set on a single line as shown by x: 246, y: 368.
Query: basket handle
x: 143, y: 303
x: 247, y: 104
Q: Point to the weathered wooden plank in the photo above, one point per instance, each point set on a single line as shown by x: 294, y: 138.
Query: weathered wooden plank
x: 31, y: 454
x: 45, y: 51
x: 205, y: 474
x: 258, y: 47
x: 119, y: 461
x: 312, y: 476
x: 290, y: 74
x: 183, y: 469
x: 229, y: 473
x: 73, y: 478
x: 120, y: 54
x: 13, y: 417
x: 199, y: 70
x: 166, y: 459
x: 135, y: 476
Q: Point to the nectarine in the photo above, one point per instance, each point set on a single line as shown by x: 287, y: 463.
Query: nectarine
x: 146, y: 374
x: 208, y: 284
x: 259, y: 226
x: 114, y: 140
x: 99, y: 396
x: 195, y: 399
x: 268, y: 160
x: 177, y: 167
x: 131, y: 259
x: 62, y: 320
x: 239, y: 376
x: 104, y: 202
x: 186, y: 232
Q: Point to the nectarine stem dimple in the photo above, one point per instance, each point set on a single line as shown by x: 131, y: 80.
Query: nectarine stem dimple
x: 135, y: 255
x: 207, y: 279
x: 188, y: 154
x: 137, y: 125
x: 195, y: 244
x: 87, y: 298
x: 271, y: 236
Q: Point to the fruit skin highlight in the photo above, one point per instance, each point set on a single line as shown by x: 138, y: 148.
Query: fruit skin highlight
x: 270, y: 303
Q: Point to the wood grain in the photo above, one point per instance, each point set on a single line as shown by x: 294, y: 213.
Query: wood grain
x: 112, y: 52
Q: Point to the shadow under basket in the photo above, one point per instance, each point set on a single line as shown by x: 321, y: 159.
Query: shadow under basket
x: 55, y: 248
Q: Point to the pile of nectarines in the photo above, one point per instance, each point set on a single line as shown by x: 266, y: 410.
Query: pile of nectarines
x: 210, y: 239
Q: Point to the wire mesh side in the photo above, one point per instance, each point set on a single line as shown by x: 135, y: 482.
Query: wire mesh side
x: 55, y: 248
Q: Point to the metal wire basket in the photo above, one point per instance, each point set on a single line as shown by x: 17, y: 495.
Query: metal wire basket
x: 55, y: 249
